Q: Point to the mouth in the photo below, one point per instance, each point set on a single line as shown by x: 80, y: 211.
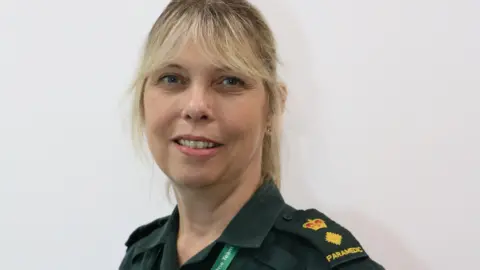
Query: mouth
x: 196, y: 143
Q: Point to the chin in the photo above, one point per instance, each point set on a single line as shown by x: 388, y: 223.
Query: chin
x: 193, y: 180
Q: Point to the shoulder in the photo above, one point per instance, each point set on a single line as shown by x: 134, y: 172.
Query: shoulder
x: 145, y: 230
x: 337, y: 245
x: 141, y: 239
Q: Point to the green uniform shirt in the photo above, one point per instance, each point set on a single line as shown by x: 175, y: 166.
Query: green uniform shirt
x: 268, y: 233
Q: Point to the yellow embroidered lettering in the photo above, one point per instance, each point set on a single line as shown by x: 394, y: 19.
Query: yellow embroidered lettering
x: 344, y: 252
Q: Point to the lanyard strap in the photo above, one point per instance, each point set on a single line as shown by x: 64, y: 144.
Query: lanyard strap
x: 225, y: 257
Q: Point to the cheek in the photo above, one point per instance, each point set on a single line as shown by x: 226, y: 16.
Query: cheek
x: 150, y: 111
x: 246, y: 121
x: 156, y: 115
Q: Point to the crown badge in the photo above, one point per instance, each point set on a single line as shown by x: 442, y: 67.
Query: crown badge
x: 315, y: 224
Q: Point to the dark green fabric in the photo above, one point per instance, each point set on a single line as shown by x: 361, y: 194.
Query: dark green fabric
x: 269, y: 233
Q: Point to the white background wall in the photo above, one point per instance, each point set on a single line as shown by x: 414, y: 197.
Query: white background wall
x: 382, y: 130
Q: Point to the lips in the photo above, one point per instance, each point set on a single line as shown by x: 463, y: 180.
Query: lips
x: 197, y: 147
x: 194, y: 138
x: 196, y: 142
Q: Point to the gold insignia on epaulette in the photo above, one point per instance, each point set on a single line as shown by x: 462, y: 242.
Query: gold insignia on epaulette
x: 315, y: 224
x: 333, y: 238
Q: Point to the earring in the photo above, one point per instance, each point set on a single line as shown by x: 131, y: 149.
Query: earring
x: 269, y: 130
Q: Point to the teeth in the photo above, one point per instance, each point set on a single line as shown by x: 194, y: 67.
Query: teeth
x: 196, y: 144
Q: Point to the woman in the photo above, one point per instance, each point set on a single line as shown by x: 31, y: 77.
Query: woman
x: 208, y: 100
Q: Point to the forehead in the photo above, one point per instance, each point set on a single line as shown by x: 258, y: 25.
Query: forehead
x: 192, y: 56
x: 196, y: 50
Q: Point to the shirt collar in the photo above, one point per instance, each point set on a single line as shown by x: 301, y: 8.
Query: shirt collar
x: 256, y: 218
x: 160, y: 235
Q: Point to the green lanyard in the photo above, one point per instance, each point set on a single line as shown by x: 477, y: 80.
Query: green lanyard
x: 225, y: 257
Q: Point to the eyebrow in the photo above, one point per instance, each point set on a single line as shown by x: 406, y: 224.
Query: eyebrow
x: 172, y: 65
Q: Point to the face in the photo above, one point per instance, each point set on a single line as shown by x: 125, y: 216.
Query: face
x: 204, y: 124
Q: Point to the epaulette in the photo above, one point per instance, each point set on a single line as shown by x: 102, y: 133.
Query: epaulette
x: 335, y: 242
x: 145, y: 230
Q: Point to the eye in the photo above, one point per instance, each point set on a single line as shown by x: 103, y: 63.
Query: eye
x: 232, y: 81
x: 169, y: 79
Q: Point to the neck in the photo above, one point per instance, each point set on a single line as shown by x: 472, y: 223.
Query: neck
x: 205, y: 213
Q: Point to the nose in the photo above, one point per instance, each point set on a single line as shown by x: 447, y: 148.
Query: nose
x: 197, y: 107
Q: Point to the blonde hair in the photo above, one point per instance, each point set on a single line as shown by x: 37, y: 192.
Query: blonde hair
x: 233, y: 34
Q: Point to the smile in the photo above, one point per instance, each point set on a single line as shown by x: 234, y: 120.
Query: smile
x: 197, y: 144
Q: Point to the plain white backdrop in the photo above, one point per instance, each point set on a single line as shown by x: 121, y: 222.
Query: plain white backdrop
x: 382, y: 128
